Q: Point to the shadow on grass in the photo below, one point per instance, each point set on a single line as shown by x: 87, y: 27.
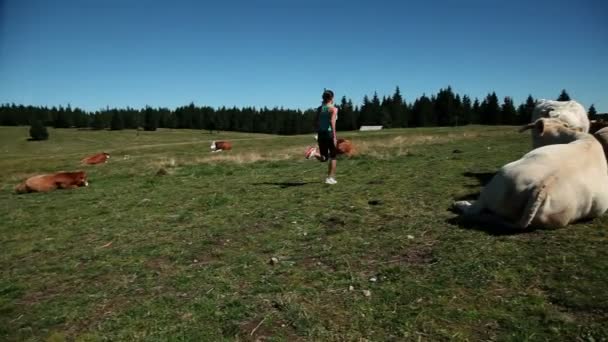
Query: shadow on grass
x: 482, y: 177
x: 283, y: 185
x: 486, y: 222
x: 490, y: 229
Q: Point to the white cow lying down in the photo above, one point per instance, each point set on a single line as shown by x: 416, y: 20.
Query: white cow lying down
x: 548, y: 187
x: 570, y: 112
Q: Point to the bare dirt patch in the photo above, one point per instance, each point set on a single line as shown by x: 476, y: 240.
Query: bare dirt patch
x: 416, y: 255
x: 267, y: 329
x: 161, y: 266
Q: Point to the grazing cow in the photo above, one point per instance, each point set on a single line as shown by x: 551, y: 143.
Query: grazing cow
x: 217, y: 146
x: 96, y: 159
x: 549, y: 187
x: 570, y: 112
x: 49, y: 182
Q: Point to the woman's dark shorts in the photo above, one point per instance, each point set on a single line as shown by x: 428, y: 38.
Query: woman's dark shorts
x: 327, y: 149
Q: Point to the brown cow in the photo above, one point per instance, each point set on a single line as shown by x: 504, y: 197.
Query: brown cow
x: 96, y: 159
x: 345, y: 147
x: 49, y: 182
x: 217, y: 146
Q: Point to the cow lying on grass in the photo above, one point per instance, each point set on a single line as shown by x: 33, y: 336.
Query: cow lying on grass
x: 217, y: 146
x: 548, y: 187
x: 49, y: 182
x: 344, y: 147
x: 96, y: 159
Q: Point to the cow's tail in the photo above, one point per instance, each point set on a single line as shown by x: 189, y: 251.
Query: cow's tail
x: 536, y: 199
x: 21, y: 188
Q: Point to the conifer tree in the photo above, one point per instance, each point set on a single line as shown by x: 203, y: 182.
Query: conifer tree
x: 563, y: 96
x: 592, y: 113
x: 117, y: 122
x: 38, y: 131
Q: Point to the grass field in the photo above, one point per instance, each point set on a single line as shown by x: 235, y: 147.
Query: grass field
x: 185, y: 256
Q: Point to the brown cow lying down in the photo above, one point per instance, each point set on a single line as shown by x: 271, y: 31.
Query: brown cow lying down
x: 217, y: 146
x: 345, y: 147
x: 49, y: 182
x: 96, y: 159
x: 549, y: 187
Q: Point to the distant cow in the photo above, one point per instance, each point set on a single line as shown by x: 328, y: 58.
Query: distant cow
x: 217, y: 146
x: 549, y: 187
x: 96, y: 159
x: 570, y: 112
x: 49, y: 182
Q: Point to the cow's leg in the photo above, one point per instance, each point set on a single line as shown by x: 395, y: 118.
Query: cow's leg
x: 474, y: 212
x: 552, y: 218
x: 468, y: 207
x: 62, y: 185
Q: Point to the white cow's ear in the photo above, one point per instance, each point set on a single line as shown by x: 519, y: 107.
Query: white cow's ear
x: 526, y: 127
x: 539, y: 125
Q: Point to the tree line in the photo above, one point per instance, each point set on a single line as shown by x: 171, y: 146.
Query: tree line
x: 445, y: 108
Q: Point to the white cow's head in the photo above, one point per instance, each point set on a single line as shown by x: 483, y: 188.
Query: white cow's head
x: 213, y: 147
x: 550, y: 131
x: 571, y: 112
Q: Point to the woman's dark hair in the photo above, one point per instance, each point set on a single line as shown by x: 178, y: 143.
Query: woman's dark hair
x: 328, y: 95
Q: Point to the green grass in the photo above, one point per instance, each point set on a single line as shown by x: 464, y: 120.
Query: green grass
x: 185, y: 256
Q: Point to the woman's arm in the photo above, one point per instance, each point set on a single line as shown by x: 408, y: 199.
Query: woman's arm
x: 334, y: 116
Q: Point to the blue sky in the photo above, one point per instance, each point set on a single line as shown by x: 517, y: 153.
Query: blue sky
x: 118, y: 53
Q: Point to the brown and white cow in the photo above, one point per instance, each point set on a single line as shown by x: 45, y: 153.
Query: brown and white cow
x: 217, y: 146
x: 96, y: 159
x: 50, y: 182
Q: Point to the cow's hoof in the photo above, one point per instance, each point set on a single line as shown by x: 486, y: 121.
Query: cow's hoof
x: 461, y: 206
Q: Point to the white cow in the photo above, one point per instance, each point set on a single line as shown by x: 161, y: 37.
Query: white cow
x: 570, y: 112
x: 550, y: 186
